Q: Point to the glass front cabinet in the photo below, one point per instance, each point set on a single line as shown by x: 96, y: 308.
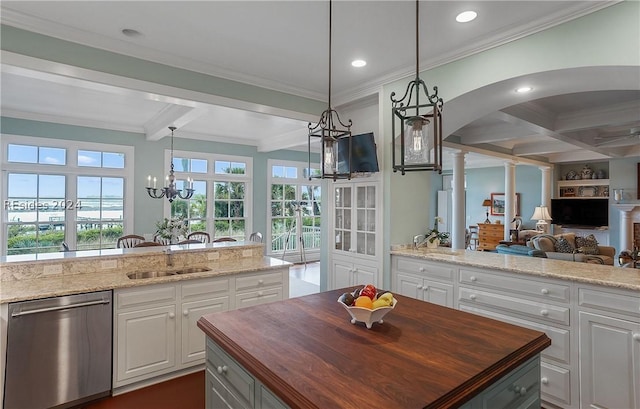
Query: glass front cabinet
x: 356, y: 245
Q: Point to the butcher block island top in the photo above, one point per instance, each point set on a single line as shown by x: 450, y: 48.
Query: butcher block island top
x: 306, y: 351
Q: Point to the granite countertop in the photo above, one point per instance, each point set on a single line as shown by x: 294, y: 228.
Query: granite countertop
x: 597, y: 274
x: 27, y: 281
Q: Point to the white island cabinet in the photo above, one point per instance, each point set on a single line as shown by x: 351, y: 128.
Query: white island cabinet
x: 591, y: 313
x: 423, y: 280
x: 609, y: 323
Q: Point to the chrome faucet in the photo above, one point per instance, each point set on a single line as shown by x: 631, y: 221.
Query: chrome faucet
x: 418, y: 240
x: 169, y: 254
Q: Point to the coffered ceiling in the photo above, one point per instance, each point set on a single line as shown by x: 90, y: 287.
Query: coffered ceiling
x: 282, y: 45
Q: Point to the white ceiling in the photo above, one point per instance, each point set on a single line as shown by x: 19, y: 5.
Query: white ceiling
x: 283, y: 45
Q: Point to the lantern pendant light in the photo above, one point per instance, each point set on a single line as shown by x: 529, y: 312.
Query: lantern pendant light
x: 418, y: 147
x: 335, y: 137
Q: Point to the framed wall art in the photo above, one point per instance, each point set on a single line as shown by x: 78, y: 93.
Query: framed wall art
x: 498, y: 202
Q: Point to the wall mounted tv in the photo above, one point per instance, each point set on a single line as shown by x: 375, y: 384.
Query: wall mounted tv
x: 364, y: 158
x: 580, y: 212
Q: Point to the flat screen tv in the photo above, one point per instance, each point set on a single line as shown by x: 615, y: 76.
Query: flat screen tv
x: 364, y: 158
x: 580, y: 212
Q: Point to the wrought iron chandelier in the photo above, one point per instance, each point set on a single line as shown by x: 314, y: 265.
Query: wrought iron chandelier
x: 420, y: 125
x: 171, y: 192
x: 335, y: 137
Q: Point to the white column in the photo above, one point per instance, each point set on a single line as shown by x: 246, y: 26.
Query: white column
x: 545, y: 183
x: 458, y: 205
x: 509, y: 196
x: 626, y: 241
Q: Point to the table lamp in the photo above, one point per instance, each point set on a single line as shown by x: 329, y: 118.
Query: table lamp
x: 487, y: 203
x: 541, y: 214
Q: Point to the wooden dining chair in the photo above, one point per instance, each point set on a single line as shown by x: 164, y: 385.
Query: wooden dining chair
x: 201, y: 236
x: 190, y: 241
x: 220, y: 239
x: 161, y: 240
x: 256, y: 236
x: 148, y: 244
x: 128, y: 241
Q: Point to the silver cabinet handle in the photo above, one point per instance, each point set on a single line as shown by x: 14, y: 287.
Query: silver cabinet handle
x: 222, y: 369
x: 419, y: 287
x: 544, y: 313
x: 544, y: 381
x: 59, y: 307
x: 260, y: 282
x: 472, y: 297
x: 185, y: 313
x: 421, y: 269
x: 544, y: 291
x: 172, y: 315
x: 636, y: 337
x: 473, y: 278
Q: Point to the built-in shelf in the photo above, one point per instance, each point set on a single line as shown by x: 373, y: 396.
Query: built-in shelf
x: 583, y: 189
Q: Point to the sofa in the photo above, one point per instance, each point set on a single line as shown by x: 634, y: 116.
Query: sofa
x: 568, y: 247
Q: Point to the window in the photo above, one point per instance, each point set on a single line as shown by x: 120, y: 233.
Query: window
x: 220, y: 203
x: 295, y: 204
x: 64, y: 191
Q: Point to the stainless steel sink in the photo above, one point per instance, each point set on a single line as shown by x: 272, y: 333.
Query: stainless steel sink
x: 190, y: 270
x: 150, y: 274
x: 165, y: 273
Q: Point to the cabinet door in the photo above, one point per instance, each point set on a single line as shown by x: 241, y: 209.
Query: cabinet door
x: 610, y: 362
x: 146, y: 342
x: 364, y: 274
x: 408, y: 285
x: 438, y: 293
x: 193, y: 339
x: 341, y: 272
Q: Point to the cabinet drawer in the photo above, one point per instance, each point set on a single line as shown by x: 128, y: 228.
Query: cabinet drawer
x: 621, y: 303
x: 207, y: 288
x: 545, y: 312
x: 160, y: 294
x: 252, y: 282
x: 555, y: 383
x: 413, y: 266
x: 230, y: 374
x: 517, y: 390
x: 560, y: 348
x: 252, y: 298
x: 547, y: 291
x: 217, y: 394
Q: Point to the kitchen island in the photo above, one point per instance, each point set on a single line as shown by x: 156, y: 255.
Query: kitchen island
x: 305, y: 353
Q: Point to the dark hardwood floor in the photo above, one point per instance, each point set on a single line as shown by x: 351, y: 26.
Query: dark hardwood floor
x: 185, y: 392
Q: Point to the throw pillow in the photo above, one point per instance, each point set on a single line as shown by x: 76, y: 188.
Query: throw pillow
x: 588, y: 245
x: 544, y: 242
x: 563, y: 246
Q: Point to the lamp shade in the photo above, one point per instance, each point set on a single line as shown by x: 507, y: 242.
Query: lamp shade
x: 541, y: 213
x: 486, y: 202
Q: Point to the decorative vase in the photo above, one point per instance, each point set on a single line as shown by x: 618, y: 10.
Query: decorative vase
x: 433, y: 244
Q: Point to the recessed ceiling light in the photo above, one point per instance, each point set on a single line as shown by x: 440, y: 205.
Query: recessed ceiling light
x: 130, y: 32
x: 358, y: 63
x: 466, y: 16
x: 522, y: 90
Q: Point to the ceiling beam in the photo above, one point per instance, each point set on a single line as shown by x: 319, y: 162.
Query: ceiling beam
x: 170, y: 115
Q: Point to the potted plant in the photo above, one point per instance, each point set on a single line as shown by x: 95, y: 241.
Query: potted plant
x: 433, y: 236
x: 172, y: 229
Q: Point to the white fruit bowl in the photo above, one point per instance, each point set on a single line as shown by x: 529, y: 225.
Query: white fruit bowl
x: 361, y: 314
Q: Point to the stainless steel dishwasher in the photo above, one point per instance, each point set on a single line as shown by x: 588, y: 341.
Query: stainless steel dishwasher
x: 59, y: 351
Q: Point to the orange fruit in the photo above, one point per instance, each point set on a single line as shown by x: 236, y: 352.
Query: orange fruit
x: 364, y: 301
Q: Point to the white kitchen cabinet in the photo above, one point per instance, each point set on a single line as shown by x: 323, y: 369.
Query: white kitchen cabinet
x: 146, y: 343
x: 349, y: 272
x: 356, y: 255
x: 535, y: 303
x: 609, y: 326
x: 156, y: 330
x: 427, y: 281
